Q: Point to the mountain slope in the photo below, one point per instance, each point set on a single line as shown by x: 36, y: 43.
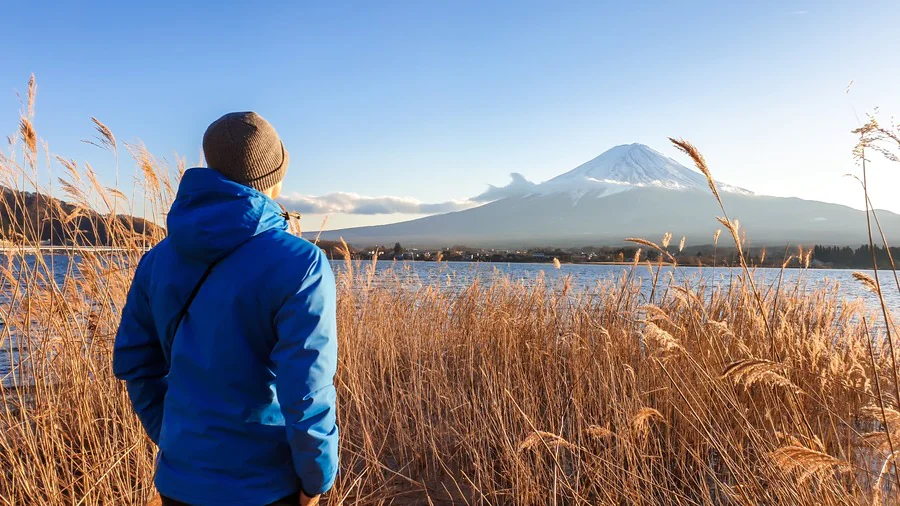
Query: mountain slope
x: 537, y: 220
x: 630, y: 166
x: 627, y: 191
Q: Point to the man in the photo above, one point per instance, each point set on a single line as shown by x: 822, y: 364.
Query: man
x: 228, y: 340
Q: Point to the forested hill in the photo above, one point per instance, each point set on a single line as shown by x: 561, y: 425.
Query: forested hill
x: 860, y: 258
x: 39, y: 218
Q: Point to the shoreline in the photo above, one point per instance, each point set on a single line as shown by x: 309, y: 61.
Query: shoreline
x: 641, y: 263
x: 62, y: 250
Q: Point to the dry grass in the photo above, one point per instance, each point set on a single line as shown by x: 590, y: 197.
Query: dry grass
x: 501, y: 393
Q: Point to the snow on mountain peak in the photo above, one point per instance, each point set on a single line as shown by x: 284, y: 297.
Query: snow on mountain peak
x: 625, y: 167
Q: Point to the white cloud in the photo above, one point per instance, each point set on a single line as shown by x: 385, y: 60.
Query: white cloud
x: 352, y: 203
x: 518, y: 186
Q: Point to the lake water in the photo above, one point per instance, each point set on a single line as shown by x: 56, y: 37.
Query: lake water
x: 457, y: 275
x: 454, y: 275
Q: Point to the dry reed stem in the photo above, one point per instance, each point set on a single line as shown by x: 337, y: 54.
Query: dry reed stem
x: 751, y: 371
x: 654, y: 246
x: 806, y: 462
x: 665, y: 346
x: 107, y: 139
x: 441, y: 386
x: 878, y: 487
x: 643, y: 419
x: 868, y: 281
x: 541, y: 438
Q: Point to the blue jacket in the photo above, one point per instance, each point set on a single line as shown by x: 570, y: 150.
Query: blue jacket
x: 241, y: 400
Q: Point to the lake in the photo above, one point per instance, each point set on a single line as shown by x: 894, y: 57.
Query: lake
x: 454, y: 275
x: 457, y: 275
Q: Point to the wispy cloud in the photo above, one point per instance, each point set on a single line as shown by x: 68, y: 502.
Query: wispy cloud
x: 352, y: 203
x: 798, y: 13
x: 518, y: 186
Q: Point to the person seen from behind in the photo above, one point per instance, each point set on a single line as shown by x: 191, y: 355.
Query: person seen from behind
x: 228, y: 338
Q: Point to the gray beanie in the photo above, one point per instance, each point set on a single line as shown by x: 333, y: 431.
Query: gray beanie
x: 245, y: 148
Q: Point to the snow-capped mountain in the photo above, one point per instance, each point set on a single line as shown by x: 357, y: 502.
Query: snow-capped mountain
x: 630, y: 166
x: 628, y: 191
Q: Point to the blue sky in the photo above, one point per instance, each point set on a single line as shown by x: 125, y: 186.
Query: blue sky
x: 432, y: 101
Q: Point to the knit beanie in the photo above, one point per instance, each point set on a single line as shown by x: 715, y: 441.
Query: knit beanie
x: 245, y: 148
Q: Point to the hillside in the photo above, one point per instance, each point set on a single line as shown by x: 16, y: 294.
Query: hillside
x: 628, y: 191
x: 44, y: 219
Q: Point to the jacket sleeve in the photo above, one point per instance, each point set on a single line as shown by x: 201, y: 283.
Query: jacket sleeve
x: 305, y: 361
x: 138, y: 357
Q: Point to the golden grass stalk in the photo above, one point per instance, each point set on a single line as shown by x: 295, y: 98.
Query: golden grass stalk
x: 26, y: 130
x: 878, y: 488
x: 663, y: 344
x: 733, y: 227
x: 699, y: 161
x: 871, y: 136
x: 538, y: 439
x: 643, y: 420
x: 806, y: 462
x: 600, y: 433
x: 751, y: 371
x: 106, y: 137
x: 662, y: 251
x: 26, y: 121
x: 667, y: 238
x: 441, y: 391
x: 867, y: 280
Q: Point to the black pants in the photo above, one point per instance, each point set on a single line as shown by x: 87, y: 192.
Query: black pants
x: 291, y: 500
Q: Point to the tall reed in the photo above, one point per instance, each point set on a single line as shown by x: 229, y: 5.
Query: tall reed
x: 501, y: 392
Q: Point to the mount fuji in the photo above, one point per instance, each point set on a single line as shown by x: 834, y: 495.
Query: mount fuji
x: 628, y: 191
x: 626, y: 167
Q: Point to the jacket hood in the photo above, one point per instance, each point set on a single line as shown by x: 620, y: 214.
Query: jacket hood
x: 212, y: 215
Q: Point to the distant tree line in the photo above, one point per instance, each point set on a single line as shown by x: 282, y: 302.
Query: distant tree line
x: 708, y: 255
x: 845, y: 256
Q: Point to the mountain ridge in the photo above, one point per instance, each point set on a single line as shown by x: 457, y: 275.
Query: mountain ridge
x: 630, y: 190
